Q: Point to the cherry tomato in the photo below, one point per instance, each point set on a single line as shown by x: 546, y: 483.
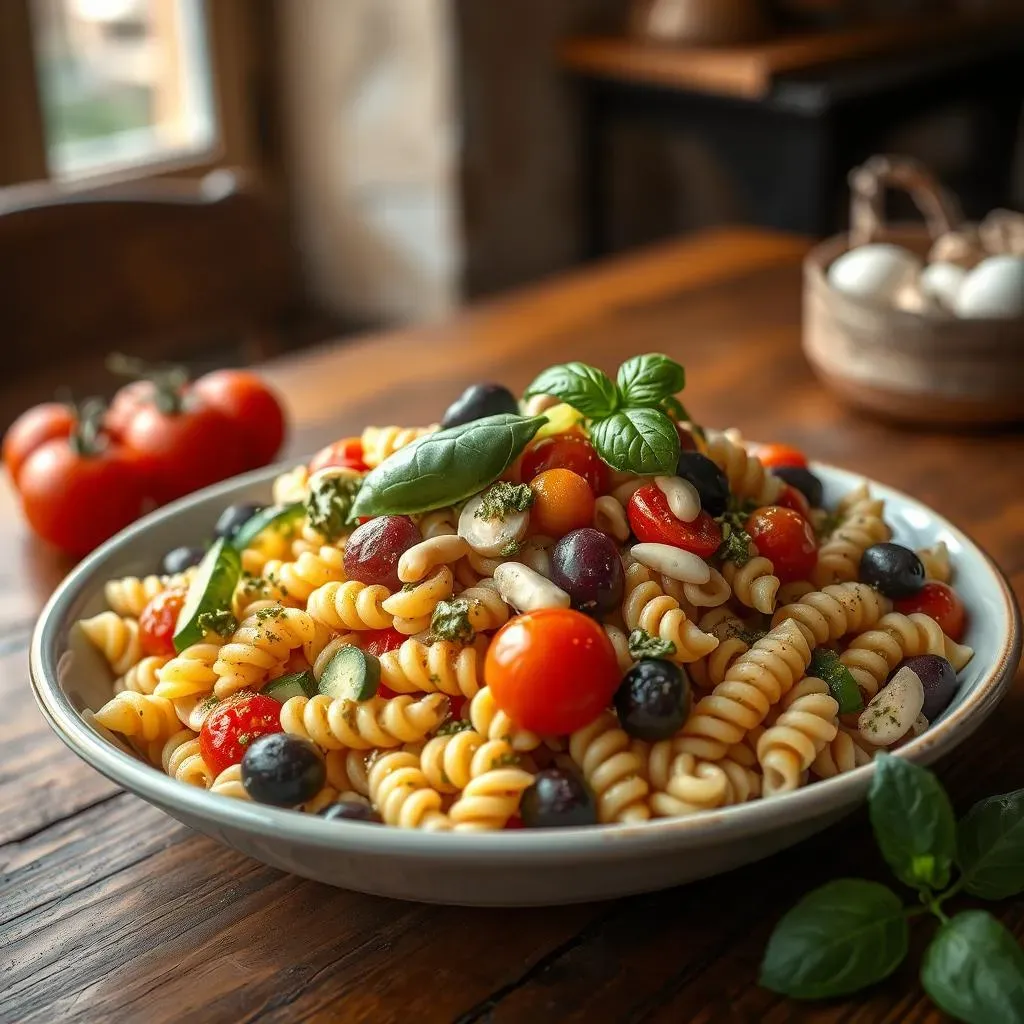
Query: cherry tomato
x: 246, y: 400
x: 786, y: 539
x: 566, y: 451
x: 793, y: 499
x: 457, y: 707
x: 552, y: 671
x: 158, y: 621
x: 189, y: 449
x: 563, y: 501
x: 127, y: 401
x: 781, y: 455
x: 942, y: 603
x: 233, y: 725
x: 653, y: 523
x: 32, y: 429
x: 377, y: 641
x: 347, y: 452
x: 77, y: 501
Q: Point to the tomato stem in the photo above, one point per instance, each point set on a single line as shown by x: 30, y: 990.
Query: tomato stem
x: 87, y: 439
x: 168, y: 380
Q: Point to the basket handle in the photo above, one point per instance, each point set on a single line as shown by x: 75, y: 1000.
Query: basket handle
x: 868, y: 184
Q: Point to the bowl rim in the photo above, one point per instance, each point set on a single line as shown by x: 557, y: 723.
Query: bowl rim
x: 581, y: 843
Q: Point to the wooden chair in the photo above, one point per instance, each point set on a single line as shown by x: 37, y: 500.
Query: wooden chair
x: 163, y: 269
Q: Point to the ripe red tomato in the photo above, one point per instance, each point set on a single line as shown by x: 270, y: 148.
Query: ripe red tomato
x: 942, y: 603
x: 32, y: 429
x: 158, y: 621
x: 187, y: 450
x: 781, y: 455
x: 127, y: 401
x: 653, y: 523
x: 233, y: 725
x: 77, y: 501
x: 796, y: 500
x: 565, y: 451
x: 552, y: 671
x: 347, y: 452
x: 786, y: 539
x: 377, y: 641
x: 246, y: 400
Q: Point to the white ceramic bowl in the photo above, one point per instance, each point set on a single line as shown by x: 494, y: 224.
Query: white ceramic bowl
x: 508, y: 868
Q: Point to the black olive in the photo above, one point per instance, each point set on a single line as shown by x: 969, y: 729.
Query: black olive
x: 711, y: 483
x: 350, y: 810
x: 233, y: 518
x: 938, y: 677
x: 653, y: 699
x: 892, y: 569
x: 181, y: 559
x: 558, y: 799
x: 804, y: 481
x: 282, y: 770
x: 478, y: 401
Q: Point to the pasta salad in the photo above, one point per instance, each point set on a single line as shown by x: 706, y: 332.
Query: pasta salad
x: 576, y: 607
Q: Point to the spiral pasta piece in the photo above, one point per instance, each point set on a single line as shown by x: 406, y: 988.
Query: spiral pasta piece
x: 421, y: 558
x: 378, y: 722
x: 191, y: 673
x: 754, y: 584
x: 447, y: 760
x: 492, y: 794
x: 182, y: 760
x: 474, y: 567
x: 861, y: 526
x: 709, y: 671
x: 830, y: 613
x: 807, y: 724
x: 142, y: 716
x: 129, y: 595
x: 712, y: 594
x: 229, y: 783
x: 612, y: 770
x: 413, y: 608
x: 347, y: 772
x: 845, y: 752
x: 293, y: 582
x: 402, y: 795
x: 443, y: 666
x: 261, y: 644
x: 748, y: 478
x: 686, y: 785
x: 790, y: 593
x: 646, y: 606
x: 143, y: 677
x: 380, y: 443
x: 116, y: 638
x: 350, y: 605
x: 487, y: 611
x: 491, y: 722
x: 441, y: 523
x: 620, y: 643
x: 269, y: 545
x: 757, y: 679
x: 935, y: 560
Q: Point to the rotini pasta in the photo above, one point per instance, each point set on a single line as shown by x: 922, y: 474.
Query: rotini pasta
x: 261, y: 644
x: 439, y: 667
x: 413, y: 606
x: 402, y: 794
x: 748, y: 479
x: 144, y: 676
x: 293, y: 582
x: 613, y: 771
x: 753, y: 583
x: 189, y: 674
x: 834, y: 611
x: 492, y: 794
x: 350, y: 605
x: 116, y: 638
x: 646, y: 606
x: 935, y: 560
x: 380, y: 443
x: 182, y: 760
x: 142, y: 716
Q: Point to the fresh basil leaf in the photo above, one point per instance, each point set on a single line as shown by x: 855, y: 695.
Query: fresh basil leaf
x: 825, y: 664
x: 640, y: 441
x: 648, y: 380
x: 913, y: 822
x: 443, y: 468
x: 974, y: 970
x: 839, y: 938
x: 990, y: 842
x: 674, y: 408
x: 584, y: 387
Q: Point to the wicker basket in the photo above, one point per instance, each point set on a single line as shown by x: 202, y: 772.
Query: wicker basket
x: 917, y: 368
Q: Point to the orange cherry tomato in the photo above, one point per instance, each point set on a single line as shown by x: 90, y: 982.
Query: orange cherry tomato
x: 158, y: 621
x: 942, y: 603
x: 653, y: 523
x: 552, y: 671
x: 563, y: 501
x: 347, y: 452
x: 781, y: 455
x: 786, y: 539
x: 32, y: 429
x: 566, y: 451
x: 247, y: 400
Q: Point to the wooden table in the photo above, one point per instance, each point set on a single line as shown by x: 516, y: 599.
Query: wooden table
x: 111, y: 911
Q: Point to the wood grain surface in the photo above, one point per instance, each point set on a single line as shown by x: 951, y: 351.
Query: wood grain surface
x: 110, y: 911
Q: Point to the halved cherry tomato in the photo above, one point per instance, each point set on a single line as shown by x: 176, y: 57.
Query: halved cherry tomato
x: 233, y: 726
x: 377, y: 641
x: 786, y: 539
x: 791, y: 498
x: 566, y: 451
x: 247, y: 400
x: 940, y: 602
x: 653, y: 523
x: 563, y: 501
x: 780, y: 455
x: 158, y: 621
x: 457, y: 707
x: 32, y: 429
x: 552, y: 671
x: 347, y: 452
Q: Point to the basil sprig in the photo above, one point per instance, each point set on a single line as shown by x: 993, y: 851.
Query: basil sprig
x: 852, y: 933
x: 629, y: 419
x: 443, y: 468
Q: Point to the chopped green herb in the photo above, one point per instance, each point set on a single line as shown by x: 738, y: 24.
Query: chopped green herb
x: 513, y: 547
x: 434, y: 679
x: 408, y: 588
x: 735, y: 546
x: 271, y: 637
x: 504, y: 761
x: 748, y: 636
x: 454, y: 725
x: 221, y: 623
x: 503, y: 498
x: 208, y: 702
x: 826, y: 525
x: 450, y: 621
x: 643, y: 645
x: 827, y: 666
x: 329, y: 505
x: 244, y: 739
x: 266, y: 614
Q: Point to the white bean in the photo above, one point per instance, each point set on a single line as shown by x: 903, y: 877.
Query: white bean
x: 892, y: 712
x: 536, y: 553
x: 526, y: 590
x: 492, y: 537
x: 683, y: 499
x: 681, y: 565
x: 610, y: 518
